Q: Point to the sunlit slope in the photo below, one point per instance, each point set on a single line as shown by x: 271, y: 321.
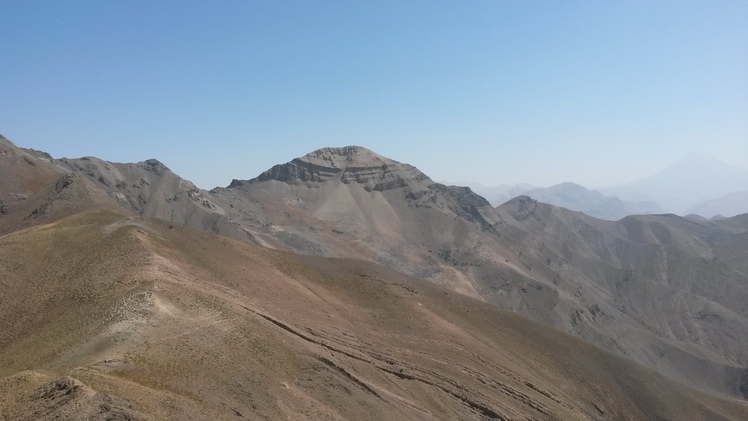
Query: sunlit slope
x: 351, y: 202
x: 109, y: 315
x: 664, y: 291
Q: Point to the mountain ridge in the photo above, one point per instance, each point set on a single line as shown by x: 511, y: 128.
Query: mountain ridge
x: 141, y: 319
x: 602, y: 281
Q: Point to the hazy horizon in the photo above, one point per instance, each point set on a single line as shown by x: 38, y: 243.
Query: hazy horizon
x: 478, y: 92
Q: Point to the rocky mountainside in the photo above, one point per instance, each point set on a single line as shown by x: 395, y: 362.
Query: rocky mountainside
x: 110, y: 316
x: 351, y: 202
x: 23, y: 175
x: 34, y: 185
x: 662, y: 290
x: 602, y: 281
x: 578, y: 198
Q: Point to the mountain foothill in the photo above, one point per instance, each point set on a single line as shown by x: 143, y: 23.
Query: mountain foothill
x: 347, y: 285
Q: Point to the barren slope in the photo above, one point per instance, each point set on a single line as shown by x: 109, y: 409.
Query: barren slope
x: 350, y: 202
x: 115, y: 316
x: 668, y: 292
x: 36, y: 188
x: 665, y: 291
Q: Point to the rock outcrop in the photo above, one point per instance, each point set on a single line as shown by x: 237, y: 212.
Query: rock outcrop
x: 350, y: 164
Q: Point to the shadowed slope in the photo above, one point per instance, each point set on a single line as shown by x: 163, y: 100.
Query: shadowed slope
x: 23, y: 175
x: 36, y: 188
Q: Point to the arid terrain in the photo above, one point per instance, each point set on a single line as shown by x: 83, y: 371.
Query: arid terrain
x: 345, y: 285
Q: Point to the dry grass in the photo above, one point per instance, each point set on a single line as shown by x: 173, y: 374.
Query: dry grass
x: 153, y: 322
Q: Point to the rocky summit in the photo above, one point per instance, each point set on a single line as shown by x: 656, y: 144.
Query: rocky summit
x: 350, y: 164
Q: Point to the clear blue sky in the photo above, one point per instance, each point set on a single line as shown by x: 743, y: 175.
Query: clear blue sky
x: 595, y: 92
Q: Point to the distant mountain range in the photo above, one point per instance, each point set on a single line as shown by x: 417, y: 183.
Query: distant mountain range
x: 697, y: 184
x: 497, y: 195
x: 592, y: 202
x: 118, y: 265
x: 695, y: 179
x: 728, y: 205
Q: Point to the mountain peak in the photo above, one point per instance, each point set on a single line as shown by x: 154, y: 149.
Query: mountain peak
x: 569, y: 186
x: 154, y: 166
x: 699, y: 159
x: 7, y: 144
x: 344, y: 157
x: 697, y: 166
x: 349, y: 165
